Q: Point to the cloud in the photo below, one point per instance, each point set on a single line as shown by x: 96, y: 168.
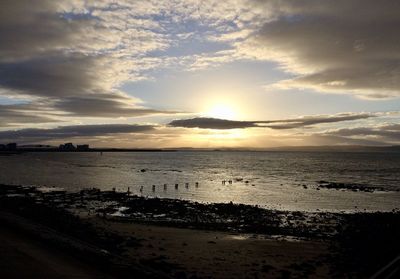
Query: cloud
x: 54, y: 76
x: 11, y: 115
x: 64, y: 132
x: 211, y: 123
x: 35, y: 30
x: 383, y: 133
x: 345, y: 46
x: 69, y: 59
x: 104, y: 107
x: 306, y: 121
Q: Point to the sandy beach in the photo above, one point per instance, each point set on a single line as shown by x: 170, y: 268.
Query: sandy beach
x: 23, y: 256
x: 93, y: 233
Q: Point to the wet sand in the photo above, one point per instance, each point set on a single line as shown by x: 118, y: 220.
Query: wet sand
x: 211, y: 254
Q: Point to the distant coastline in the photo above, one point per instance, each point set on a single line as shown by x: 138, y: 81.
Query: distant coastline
x: 22, y: 150
x: 325, y: 148
x: 372, y: 149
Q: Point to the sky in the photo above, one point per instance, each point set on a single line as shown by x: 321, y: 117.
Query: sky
x: 206, y: 74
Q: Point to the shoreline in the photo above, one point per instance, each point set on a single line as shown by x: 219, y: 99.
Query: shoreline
x: 170, y: 236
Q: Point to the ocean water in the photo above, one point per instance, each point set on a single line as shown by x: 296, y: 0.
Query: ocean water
x: 275, y: 179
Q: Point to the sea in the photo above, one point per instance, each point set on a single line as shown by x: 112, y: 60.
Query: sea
x: 274, y: 180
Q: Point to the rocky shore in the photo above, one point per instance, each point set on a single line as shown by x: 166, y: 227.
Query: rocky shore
x: 151, y: 235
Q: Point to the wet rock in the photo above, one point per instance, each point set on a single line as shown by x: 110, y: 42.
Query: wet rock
x: 348, y: 186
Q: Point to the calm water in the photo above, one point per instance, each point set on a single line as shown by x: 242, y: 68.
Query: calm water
x: 275, y: 178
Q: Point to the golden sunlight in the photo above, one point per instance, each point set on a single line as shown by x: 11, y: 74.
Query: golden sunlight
x: 222, y: 111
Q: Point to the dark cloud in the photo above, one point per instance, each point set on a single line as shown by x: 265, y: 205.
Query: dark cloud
x: 211, y: 123
x: 64, y: 132
x: 215, y: 123
x: 58, y: 76
x: 342, y: 46
x: 33, y: 29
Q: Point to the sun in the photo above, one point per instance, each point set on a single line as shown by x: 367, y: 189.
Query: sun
x: 222, y: 111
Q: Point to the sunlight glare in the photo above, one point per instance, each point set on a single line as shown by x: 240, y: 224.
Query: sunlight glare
x: 222, y: 111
